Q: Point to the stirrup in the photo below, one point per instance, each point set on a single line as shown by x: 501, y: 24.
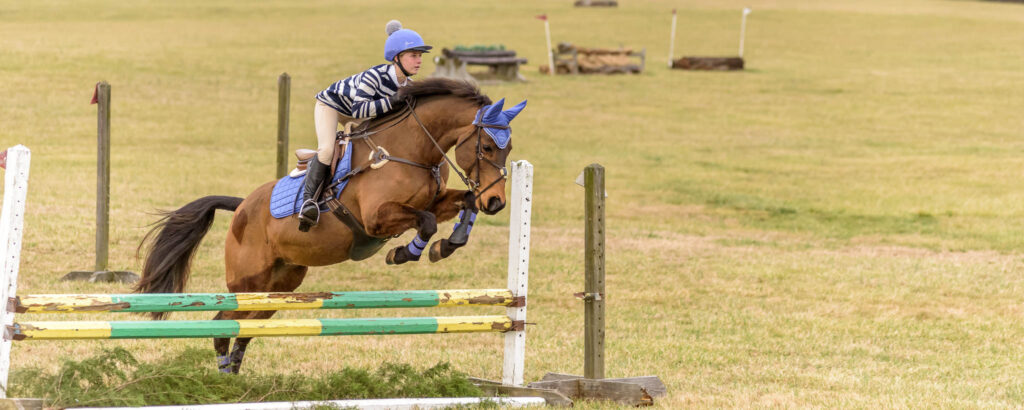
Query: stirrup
x: 304, y: 222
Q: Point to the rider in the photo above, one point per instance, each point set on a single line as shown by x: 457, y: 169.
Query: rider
x: 358, y: 98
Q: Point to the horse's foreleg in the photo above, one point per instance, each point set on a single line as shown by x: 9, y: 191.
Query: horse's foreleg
x: 454, y: 201
x: 393, y: 218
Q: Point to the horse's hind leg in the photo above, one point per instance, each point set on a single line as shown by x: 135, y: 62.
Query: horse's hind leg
x: 221, y: 345
x: 282, y: 278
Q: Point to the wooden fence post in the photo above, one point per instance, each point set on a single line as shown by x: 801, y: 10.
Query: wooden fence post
x: 102, y: 175
x: 101, y: 97
x: 593, y: 362
x: 284, y: 90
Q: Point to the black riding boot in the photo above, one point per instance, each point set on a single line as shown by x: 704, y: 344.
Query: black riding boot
x: 309, y: 215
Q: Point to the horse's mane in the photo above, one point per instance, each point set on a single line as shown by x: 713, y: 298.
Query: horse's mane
x: 444, y: 86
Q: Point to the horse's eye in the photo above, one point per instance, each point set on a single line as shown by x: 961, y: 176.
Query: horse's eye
x: 488, y: 149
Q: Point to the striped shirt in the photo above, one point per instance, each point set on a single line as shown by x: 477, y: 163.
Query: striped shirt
x: 363, y: 95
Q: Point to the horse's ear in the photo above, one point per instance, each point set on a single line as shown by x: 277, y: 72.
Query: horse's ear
x: 511, y: 113
x: 493, y: 112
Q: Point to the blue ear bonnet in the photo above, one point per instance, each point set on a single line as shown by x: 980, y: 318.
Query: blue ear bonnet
x: 493, y: 115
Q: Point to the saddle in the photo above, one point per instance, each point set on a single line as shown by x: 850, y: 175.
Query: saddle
x: 304, y: 155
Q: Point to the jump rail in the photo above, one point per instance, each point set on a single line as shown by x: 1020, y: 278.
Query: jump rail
x: 513, y: 298
x: 192, y: 302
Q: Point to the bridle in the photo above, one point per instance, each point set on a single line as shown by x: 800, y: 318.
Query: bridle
x: 473, y: 185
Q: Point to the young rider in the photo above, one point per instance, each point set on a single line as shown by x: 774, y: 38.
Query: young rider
x: 357, y: 98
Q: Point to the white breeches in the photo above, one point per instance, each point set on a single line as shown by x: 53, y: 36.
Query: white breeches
x: 327, y: 120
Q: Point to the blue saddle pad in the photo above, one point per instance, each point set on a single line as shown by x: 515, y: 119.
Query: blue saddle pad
x: 286, y: 199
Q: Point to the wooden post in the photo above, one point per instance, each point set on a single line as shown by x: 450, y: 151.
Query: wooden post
x: 632, y: 391
x: 593, y: 359
x: 284, y: 87
x: 101, y: 97
x: 102, y: 175
x: 12, y: 220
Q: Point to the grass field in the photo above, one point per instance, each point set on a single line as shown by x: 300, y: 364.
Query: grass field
x: 837, y: 226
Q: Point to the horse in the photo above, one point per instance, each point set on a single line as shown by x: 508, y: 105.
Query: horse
x: 401, y: 185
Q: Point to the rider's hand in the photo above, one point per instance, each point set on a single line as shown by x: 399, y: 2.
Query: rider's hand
x: 395, y: 101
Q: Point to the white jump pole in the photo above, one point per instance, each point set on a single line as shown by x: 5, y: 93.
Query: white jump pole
x: 547, y: 35
x: 672, y: 40
x: 12, y: 224
x: 518, y: 269
x: 743, y: 28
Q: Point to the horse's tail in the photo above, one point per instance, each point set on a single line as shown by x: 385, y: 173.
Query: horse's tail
x: 170, y: 252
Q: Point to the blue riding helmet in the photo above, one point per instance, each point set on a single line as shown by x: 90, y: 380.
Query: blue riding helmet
x: 403, y: 40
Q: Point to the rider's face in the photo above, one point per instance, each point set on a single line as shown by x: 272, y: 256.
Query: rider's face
x: 411, y: 60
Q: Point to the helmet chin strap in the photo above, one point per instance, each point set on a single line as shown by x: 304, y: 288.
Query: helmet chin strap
x: 398, y: 62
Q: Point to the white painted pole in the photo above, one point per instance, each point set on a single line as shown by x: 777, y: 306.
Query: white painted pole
x: 672, y: 40
x: 743, y: 28
x: 368, y: 404
x: 551, y: 52
x: 518, y: 268
x: 12, y: 224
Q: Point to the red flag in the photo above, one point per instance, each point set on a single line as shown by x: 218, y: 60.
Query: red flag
x: 673, y: 11
x: 542, y: 17
x: 95, y: 94
x: 3, y: 160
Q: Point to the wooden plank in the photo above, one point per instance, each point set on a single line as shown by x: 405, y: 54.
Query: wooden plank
x: 625, y: 393
x: 708, y: 63
x: 489, y: 53
x: 653, y: 384
x: 492, y: 60
x: 590, y: 389
x: 570, y: 388
x: 594, y: 313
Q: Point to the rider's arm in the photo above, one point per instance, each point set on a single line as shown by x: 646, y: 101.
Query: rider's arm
x: 370, y: 100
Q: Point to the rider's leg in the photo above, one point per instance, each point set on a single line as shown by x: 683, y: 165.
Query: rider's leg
x: 326, y: 120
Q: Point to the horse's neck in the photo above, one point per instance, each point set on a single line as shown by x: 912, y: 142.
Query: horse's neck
x: 408, y: 140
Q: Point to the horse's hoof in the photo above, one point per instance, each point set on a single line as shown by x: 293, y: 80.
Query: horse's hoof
x: 392, y: 254
x: 400, y: 255
x: 435, y: 251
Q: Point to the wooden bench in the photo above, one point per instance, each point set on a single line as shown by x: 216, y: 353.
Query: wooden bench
x: 502, y: 65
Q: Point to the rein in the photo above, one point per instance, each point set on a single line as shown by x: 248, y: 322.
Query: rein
x: 380, y: 156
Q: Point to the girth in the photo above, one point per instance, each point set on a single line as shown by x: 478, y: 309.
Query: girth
x: 363, y: 245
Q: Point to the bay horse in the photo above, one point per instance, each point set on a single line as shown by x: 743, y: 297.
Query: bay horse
x: 405, y: 188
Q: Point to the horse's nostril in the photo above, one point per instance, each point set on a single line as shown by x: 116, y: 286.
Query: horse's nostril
x: 495, y: 204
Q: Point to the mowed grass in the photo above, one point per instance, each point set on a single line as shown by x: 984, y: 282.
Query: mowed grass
x: 838, y: 225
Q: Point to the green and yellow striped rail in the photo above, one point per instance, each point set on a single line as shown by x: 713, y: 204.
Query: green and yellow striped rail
x: 176, y: 329
x: 191, y: 302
